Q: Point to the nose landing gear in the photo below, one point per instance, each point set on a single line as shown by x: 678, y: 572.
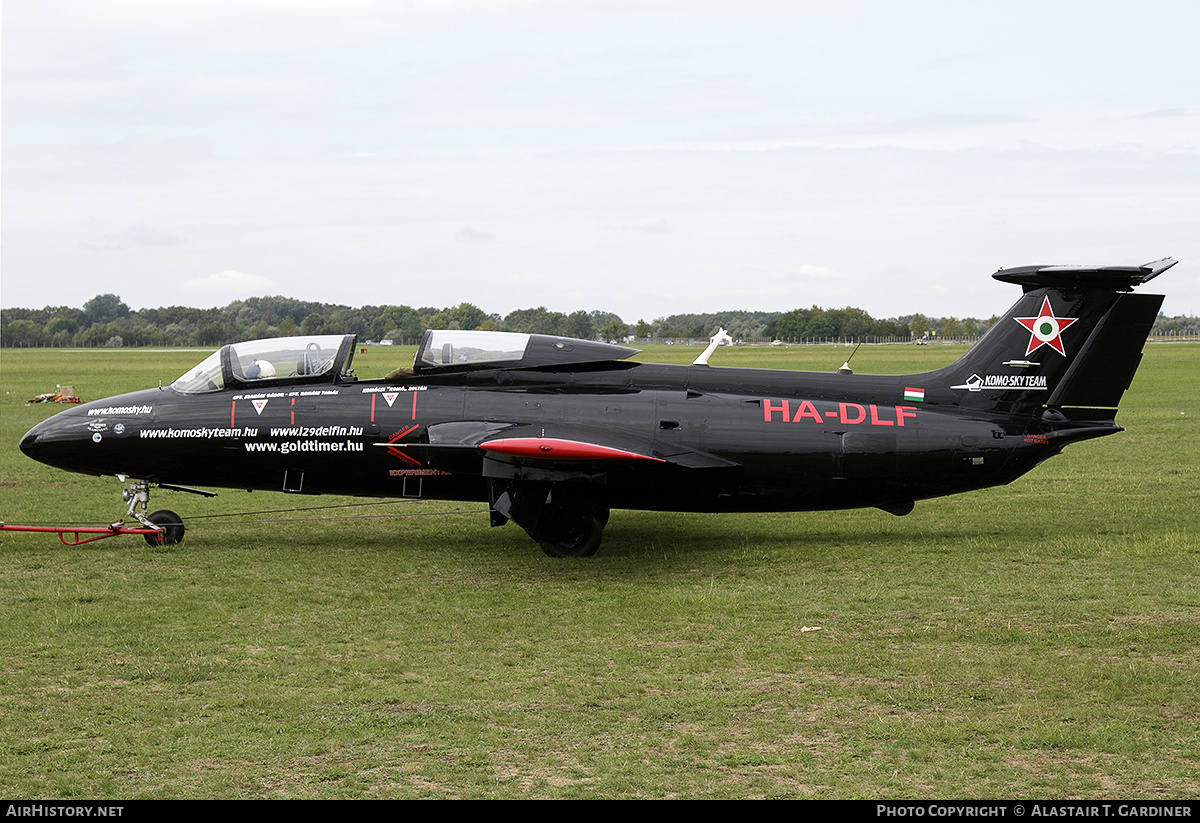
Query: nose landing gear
x: 167, y: 524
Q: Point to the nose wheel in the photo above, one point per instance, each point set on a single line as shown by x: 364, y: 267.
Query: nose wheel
x: 167, y: 524
x: 170, y: 526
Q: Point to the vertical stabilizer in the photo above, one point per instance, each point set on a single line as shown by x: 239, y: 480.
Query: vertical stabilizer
x: 1072, y: 342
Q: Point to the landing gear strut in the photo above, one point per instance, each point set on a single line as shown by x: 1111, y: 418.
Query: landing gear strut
x: 564, y: 523
x: 167, y: 524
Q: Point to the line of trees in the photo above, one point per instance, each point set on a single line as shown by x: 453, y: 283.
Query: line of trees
x: 107, y: 321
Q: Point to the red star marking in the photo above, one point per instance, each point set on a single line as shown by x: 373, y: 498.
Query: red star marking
x: 1045, y: 329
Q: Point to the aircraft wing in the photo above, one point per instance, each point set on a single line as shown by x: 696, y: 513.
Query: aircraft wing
x: 566, y: 443
x: 554, y: 450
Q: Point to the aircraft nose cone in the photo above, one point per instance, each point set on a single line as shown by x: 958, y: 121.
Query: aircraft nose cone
x: 29, y: 443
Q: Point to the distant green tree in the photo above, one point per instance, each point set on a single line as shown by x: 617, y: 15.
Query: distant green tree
x: 213, y: 331
x: 534, y: 321
x: 139, y: 334
x: 313, y: 324
x: 400, y: 324
x: 463, y: 316
x: 747, y: 330
x: 794, y: 325
x: 614, y: 331
x: 61, y: 329
x: 855, y: 324
x: 343, y: 320
x: 176, y: 334
x: 105, y: 308
x: 579, y: 324
x: 22, y: 333
x: 97, y: 334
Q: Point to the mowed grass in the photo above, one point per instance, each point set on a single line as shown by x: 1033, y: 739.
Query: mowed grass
x: 1036, y: 640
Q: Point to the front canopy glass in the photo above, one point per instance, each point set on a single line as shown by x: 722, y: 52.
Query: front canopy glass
x: 277, y: 360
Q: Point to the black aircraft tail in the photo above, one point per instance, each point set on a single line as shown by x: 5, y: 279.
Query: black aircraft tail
x: 1071, y: 344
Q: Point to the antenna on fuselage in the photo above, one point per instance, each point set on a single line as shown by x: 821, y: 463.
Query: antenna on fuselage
x: 721, y: 337
x: 845, y: 369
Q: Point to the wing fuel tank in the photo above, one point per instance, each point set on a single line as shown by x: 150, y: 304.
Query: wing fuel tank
x: 557, y: 448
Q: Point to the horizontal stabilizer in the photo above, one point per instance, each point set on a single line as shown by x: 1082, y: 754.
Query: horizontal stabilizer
x: 1114, y: 278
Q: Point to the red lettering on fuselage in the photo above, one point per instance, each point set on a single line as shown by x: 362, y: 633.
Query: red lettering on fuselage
x: 859, y: 416
x: 807, y: 409
x: 848, y: 414
x: 768, y: 408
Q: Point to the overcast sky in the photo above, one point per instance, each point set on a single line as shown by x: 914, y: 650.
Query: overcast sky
x: 644, y: 158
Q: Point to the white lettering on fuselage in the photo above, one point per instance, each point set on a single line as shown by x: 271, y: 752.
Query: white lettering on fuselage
x: 120, y: 410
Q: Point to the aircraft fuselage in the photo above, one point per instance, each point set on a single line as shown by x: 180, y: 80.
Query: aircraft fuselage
x: 794, y: 441
x: 552, y: 432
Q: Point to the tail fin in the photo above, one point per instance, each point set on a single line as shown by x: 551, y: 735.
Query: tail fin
x: 1071, y: 343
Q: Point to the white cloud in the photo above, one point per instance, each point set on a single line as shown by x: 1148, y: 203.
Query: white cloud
x: 230, y: 285
x: 811, y: 272
x: 653, y: 227
x: 136, y: 237
x: 469, y: 235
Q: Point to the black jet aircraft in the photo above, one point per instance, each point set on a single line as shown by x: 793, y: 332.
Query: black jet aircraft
x: 553, y: 432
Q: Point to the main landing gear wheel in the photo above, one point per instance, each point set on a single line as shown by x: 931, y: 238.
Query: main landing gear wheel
x: 172, y: 525
x: 572, y: 527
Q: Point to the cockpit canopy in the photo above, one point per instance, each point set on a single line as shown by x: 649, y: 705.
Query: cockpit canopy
x: 456, y: 350
x: 276, y: 361
x: 452, y: 347
x: 326, y: 358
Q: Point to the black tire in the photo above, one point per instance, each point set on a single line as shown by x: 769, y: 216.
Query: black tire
x: 572, y: 527
x: 583, y: 544
x: 172, y: 525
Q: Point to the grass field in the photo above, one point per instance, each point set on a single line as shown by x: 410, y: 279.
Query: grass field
x: 1036, y: 640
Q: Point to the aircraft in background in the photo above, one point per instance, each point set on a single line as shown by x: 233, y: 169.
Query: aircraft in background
x: 553, y: 432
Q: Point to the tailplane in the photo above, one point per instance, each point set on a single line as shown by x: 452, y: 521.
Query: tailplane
x: 1071, y: 344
